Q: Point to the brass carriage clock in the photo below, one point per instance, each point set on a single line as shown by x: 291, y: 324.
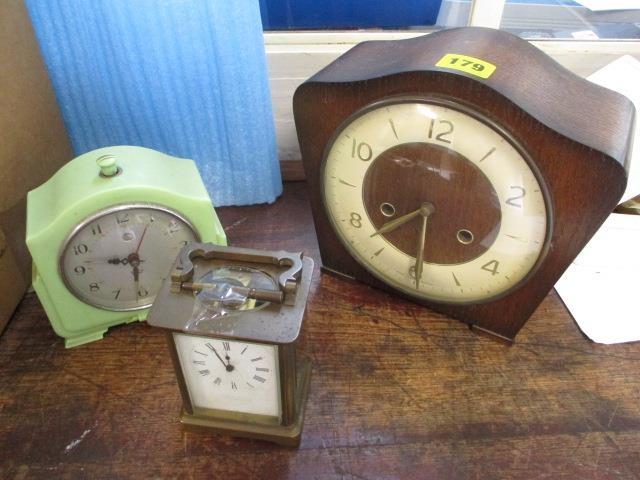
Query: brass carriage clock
x: 233, y: 317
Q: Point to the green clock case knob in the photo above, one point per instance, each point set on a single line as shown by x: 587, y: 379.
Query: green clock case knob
x: 108, y: 166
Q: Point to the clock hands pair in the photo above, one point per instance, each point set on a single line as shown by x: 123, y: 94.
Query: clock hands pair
x: 114, y: 261
x: 227, y: 365
x: 425, y: 210
x: 132, y: 259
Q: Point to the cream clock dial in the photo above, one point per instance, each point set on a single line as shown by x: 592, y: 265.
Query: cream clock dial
x: 117, y: 259
x: 435, y: 200
x: 230, y: 375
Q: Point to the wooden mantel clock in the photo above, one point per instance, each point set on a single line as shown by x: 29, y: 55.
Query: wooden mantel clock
x: 463, y: 170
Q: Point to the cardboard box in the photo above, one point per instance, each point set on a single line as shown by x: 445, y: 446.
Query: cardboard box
x: 34, y: 144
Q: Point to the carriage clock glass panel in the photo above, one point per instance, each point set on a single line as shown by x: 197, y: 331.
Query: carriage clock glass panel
x: 118, y: 258
x: 230, y: 375
x: 478, y: 230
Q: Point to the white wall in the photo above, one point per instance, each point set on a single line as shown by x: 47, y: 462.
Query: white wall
x: 294, y: 57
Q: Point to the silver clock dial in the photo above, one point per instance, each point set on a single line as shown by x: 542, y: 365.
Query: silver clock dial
x: 118, y: 258
x: 229, y: 375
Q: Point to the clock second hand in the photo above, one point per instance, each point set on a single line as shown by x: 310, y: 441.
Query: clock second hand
x: 134, y: 261
x: 144, y: 232
x: 425, y: 210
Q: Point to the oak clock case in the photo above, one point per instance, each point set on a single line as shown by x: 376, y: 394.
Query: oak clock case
x: 232, y: 317
x: 104, y: 231
x: 448, y: 170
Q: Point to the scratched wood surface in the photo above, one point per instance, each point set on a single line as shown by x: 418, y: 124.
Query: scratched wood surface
x: 396, y: 392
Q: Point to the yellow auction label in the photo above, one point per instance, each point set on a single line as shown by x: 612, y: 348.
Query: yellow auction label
x: 466, y: 64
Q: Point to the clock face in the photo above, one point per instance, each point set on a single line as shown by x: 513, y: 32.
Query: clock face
x: 435, y: 200
x: 117, y: 259
x: 228, y: 375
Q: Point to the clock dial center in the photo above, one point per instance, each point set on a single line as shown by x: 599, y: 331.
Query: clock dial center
x: 443, y: 185
x: 134, y: 260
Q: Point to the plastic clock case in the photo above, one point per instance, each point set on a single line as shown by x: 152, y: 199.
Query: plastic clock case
x: 133, y: 177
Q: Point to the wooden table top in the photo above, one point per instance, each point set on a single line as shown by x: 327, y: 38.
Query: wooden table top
x: 396, y: 392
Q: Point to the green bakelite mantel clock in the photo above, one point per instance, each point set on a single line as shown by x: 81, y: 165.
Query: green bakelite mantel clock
x: 104, y: 231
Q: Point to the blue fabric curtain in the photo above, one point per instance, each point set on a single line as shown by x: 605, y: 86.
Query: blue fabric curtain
x: 186, y: 77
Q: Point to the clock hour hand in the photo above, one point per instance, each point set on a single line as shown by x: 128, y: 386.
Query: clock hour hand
x: 136, y: 281
x: 134, y: 261
x: 425, y: 210
x: 227, y: 366
x: 393, y: 224
x: 112, y: 261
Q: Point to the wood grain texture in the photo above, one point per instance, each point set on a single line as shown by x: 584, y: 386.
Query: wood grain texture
x: 292, y: 170
x: 476, y: 206
x: 547, y: 110
x: 397, y: 391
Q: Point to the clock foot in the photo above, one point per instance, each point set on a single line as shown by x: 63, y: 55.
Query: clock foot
x: 70, y: 342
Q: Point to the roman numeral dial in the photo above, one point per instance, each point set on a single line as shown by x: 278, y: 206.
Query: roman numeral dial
x: 240, y: 376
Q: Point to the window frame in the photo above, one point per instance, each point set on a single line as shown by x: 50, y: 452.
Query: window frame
x: 294, y: 56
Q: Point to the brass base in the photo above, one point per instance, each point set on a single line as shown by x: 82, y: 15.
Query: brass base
x: 287, y: 435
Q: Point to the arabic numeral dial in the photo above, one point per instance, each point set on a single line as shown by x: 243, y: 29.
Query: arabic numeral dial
x: 435, y: 200
x: 116, y: 259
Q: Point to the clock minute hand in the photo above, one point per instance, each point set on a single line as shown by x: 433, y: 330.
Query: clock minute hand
x: 420, y: 255
x: 393, y: 224
x: 425, y: 210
